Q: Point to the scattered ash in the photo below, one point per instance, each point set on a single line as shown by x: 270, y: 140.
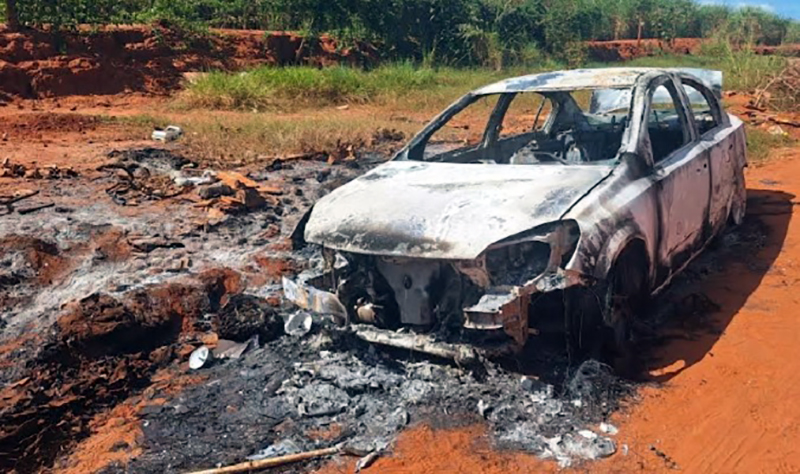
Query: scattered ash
x: 330, y: 388
x: 157, y: 159
x: 99, y: 246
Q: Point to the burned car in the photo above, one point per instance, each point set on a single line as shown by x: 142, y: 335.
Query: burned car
x: 564, y: 198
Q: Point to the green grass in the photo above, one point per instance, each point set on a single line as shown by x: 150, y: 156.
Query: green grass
x: 292, y: 88
x: 405, y: 86
x: 762, y: 143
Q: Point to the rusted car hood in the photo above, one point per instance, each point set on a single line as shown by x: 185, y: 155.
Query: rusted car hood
x: 445, y: 210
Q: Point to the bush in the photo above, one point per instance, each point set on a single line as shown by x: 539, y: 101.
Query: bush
x: 267, y: 87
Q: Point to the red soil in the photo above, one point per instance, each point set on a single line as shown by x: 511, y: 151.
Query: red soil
x: 624, y: 50
x: 116, y: 435
x: 42, y: 257
x: 36, y: 64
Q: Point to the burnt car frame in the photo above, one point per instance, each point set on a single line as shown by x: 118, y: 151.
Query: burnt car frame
x: 620, y: 179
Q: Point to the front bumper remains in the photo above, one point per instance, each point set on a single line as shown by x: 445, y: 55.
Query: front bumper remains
x: 503, y: 309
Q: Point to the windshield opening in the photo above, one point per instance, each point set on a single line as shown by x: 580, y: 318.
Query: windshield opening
x: 524, y: 128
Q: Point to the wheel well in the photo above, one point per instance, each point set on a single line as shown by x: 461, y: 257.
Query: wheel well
x: 633, y: 262
x: 634, y: 251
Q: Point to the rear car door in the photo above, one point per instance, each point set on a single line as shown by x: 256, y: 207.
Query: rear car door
x: 681, y: 174
x: 717, y: 137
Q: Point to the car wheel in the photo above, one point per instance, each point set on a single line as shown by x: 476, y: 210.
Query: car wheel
x: 738, y: 203
x: 625, y: 296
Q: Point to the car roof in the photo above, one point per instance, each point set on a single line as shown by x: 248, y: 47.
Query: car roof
x: 599, y: 78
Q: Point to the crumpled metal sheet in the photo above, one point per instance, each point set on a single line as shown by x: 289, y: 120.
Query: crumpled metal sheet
x: 310, y: 298
x: 508, y: 310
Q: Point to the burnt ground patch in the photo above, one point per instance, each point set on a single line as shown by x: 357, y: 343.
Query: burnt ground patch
x: 97, y: 354
x: 274, y: 400
x: 88, y: 316
x: 279, y: 397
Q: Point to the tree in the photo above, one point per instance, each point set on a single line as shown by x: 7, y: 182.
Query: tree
x: 12, y: 20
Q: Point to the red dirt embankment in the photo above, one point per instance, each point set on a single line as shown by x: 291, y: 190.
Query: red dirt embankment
x: 152, y: 59
x: 624, y: 50
x: 37, y: 64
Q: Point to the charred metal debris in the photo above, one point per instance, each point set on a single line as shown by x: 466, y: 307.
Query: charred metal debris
x: 484, y: 303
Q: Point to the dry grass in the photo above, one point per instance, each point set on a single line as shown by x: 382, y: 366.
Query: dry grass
x: 241, y: 137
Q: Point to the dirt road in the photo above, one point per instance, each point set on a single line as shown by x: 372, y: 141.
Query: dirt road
x: 724, y: 389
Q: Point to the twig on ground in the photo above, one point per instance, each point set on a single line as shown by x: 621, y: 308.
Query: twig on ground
x: 271, y: 462
x: 7, y: 201
x: 35, y: 208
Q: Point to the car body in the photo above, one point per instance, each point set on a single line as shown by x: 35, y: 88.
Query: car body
x: 628, y: 175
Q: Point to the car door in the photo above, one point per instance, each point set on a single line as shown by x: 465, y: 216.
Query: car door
x: 716, y: 136
x: 682, y: 177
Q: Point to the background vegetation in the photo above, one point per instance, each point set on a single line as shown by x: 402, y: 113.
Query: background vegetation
x: 456, y: 32
x: 298, y: 109
x: 405, y: 86
x: 423, y: 44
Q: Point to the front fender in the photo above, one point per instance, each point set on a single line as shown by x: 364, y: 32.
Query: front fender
x: 614, y: 247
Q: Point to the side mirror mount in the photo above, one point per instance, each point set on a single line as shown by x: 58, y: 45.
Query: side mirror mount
x: 637, y: 165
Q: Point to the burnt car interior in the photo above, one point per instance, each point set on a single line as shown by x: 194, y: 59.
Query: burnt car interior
x: 667, y: 131
x: 557, y: 131
x: 664, y: 123
x: 554, y: 128
x: 705, y: 107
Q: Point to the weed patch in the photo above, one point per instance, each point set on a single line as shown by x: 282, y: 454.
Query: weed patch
x: 290, y: 88
x: 761, y: 143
